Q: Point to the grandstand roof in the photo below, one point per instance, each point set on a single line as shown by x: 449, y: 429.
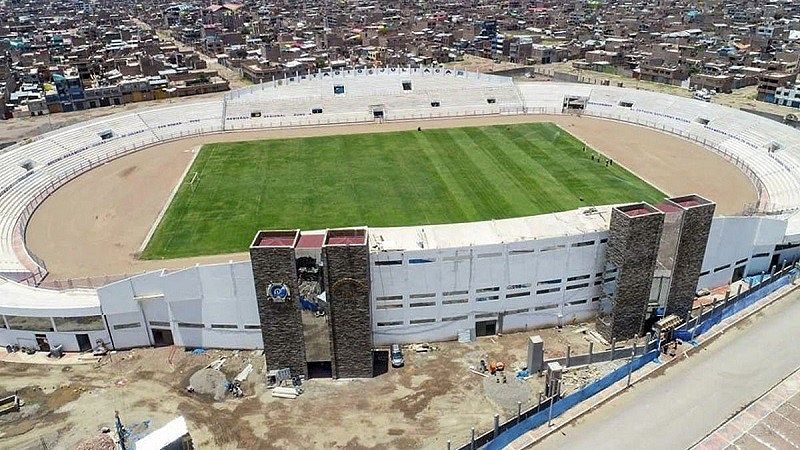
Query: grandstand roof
x: 566, y: 223
x: 21, y: 300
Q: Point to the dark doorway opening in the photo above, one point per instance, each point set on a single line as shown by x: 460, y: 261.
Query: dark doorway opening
x: 41, y: 342
x: 162, y: 338
x: 776, y: 259
x: 738, y: 274
x: 486, y: 328
x: 650, y: 320
x: 319, y: 369
x: 380, y: 362
x: 84, y: 344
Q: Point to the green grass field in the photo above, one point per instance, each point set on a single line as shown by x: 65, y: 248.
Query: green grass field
x: 384, y: 179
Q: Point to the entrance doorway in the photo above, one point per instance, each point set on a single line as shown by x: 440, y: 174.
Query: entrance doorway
x: 486, y: 328
x: 380, y: 362
x: 41, y: 342
x: 319, y: 369
x: 738, y: 274
x: 162, y: 338
x: 377, y: 112
x: 776, y: 259
x: 84, y: 344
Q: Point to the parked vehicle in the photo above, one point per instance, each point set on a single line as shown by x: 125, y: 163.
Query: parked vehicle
x: 396, y: 355
x: 703, y: 95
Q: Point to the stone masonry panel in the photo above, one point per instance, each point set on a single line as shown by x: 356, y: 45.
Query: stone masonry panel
x: 347, y: 284
x: 281, y: 323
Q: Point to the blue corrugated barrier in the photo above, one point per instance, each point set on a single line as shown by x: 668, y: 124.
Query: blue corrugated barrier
x: 569, y: 401
x: 762, y: 286
x: 757, y: 293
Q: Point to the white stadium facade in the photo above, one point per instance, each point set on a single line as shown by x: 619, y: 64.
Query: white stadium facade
x: 424, y: 283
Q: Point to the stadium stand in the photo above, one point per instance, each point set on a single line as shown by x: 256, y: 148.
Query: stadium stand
x: 766, y: 151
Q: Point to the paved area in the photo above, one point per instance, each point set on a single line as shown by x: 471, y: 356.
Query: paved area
x: 772, y: 421
x: 679, y: 408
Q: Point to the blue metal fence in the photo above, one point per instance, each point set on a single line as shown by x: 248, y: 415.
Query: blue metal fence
x: 761, y: 287
x: 570, y: 400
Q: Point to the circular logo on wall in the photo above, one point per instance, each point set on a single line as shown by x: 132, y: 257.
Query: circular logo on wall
x: 278, y: 292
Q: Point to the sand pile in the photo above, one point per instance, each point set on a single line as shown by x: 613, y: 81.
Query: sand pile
x: 209, y: 382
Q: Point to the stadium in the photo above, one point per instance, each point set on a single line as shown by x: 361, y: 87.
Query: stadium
x: 332, y: 213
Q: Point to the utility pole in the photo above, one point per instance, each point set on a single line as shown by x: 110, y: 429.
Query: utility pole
x: 120, y: 431
x: 630, y: 363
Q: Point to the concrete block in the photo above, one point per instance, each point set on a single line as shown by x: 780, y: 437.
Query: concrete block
x: 535, y: 354
x: 553, y: 379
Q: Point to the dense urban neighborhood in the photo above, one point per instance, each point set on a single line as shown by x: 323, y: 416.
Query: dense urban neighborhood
x: 399, y: 224
x: 60, y: 56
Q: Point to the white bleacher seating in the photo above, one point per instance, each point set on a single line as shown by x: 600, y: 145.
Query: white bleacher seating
x: 60, y: 153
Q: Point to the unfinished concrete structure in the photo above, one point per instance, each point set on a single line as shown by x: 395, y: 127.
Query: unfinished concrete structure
x: 535, y: 354
x: 633, y: 243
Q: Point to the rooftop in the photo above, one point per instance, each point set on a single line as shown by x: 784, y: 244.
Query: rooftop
x: 347, y: 236
x: 543, y: 226
x: 164, y: 436
x: 637, y: 209
x: 310, y: 240
x: 276, y: 238
x: 689, y: 201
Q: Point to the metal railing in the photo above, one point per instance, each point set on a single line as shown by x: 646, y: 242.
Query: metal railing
x: 38, y: 267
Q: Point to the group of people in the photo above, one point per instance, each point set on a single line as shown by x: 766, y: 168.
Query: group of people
x: 608, y: 162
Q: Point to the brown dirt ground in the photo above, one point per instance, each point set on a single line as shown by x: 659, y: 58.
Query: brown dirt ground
x: 432, y: 399
x: 95, y: 225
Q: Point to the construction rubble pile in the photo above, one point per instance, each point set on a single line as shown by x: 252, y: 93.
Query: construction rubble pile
x: 283, y: 384
x: 210, y: 380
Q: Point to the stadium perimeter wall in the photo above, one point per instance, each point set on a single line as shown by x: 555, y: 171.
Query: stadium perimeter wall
x: 214, y: 306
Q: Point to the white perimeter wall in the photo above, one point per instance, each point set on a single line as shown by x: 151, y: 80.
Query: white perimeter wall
x: 430, y: 295
x: 67, y: 339
x: 742, y: 241
x: 209, y: 306
x: 416, y: 295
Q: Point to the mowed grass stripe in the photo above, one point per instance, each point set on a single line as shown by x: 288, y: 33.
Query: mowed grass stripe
x: 481, y: 191
x: 448, y: 178
x: 553, y: 191
x: 562, y: 186
x: 520, y: 170
x: 383, y: 179
x: 475, y: 142
x: 409, y: 157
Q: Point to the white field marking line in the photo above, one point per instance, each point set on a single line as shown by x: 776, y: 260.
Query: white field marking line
x: 157, y: 222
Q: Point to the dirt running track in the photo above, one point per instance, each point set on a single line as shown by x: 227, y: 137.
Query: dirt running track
x: 95, y: 225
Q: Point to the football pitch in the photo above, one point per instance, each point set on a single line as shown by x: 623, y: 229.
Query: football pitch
x: 384, y: 179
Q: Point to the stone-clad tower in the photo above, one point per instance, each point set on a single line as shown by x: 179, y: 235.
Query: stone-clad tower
x: 345, y: 255
x: 631, y: 257
x: 697, y: 213
x: 272, y: 257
